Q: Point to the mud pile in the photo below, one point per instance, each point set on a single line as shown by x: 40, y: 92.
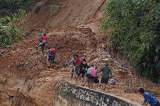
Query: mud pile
x: 25, y: 70
x: 24, y: 76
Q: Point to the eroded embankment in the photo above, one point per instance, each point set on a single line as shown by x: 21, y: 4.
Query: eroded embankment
x: 37, y: 83
x: 24, y: 70
x: 70, y: 13
x: 12, y: 92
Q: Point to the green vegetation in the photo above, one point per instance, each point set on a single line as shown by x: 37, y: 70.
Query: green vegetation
x: 8, y: 7
x: 9, y: 34
x: 135, y: 32
x: 11, y: 19
x: 53, y: 9
x: 9, y: 25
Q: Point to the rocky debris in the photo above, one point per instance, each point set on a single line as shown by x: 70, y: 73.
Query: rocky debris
x: 40, y: 66
x: 24, y: 76
x: 3, y: 80
x: 36, y: 83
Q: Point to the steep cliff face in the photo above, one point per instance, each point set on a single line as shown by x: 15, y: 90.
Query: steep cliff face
x: 12, y: 92
x: 69, y: 13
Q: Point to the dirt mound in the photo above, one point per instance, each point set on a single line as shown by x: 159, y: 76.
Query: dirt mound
x: 24, y: 61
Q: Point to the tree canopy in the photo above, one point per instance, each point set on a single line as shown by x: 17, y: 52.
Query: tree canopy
x: 135, y: 32
x: 8, y: 7
x: 11, y: 13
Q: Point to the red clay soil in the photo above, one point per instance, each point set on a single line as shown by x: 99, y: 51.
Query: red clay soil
x: 74, y: 29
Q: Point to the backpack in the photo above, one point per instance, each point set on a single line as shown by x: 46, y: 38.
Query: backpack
x: 89, y: 76
x: 96, y: 80
x: 112, y: 82
x: 52, y: 51
x: 94, y: 73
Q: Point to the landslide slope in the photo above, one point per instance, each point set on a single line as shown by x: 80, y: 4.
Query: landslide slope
x: 24, y: 76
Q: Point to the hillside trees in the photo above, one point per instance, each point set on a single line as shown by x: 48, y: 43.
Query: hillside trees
x: 135, y: 32
x: 8, y: 7
x: 11, y: 14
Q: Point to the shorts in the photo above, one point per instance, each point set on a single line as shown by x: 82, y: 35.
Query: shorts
x: 81, y: 72
x: 42, y: 46
x: 89, y: 76
x: 51, y: 58
x: 76, y: 69
x: 96, y: 80
x: 73, y: 68
x: 104, y: 80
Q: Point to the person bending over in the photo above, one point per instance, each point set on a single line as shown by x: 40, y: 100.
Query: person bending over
x: 148, y: 98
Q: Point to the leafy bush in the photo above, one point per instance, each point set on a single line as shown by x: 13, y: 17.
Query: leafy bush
x: 8, y: 7
x: 53, y: 9
x: 12, y: 13
x: 9, y: 34
x: 9, y: 31
x: 135, y: 32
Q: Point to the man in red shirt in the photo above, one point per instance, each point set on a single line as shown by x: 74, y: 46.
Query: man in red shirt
x: 43, y: 42
x: 44, y: 38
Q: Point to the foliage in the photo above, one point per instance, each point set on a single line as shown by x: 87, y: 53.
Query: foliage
x: 9, y: 34
x: 9, y: 31
x: 135, y: 31
x: 8, y: 7
x: 12, y: 13
x: 53, y: 9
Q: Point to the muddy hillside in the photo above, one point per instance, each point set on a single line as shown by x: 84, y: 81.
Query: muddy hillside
x: 25, y: 79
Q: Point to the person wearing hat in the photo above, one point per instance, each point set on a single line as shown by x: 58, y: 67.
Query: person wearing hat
x: 106, y: 73
x: 148, y: 98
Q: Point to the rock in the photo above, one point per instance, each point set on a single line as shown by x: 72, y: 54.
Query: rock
x: 40, y: 66
x: 3, y: 80
x: 13, y: 92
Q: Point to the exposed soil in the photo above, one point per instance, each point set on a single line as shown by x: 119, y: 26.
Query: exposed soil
x: 25, y: 78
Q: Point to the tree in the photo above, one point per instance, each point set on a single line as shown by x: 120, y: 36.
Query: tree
x: 8, y: 7
x: 135, y: 26
x: 11, y: 14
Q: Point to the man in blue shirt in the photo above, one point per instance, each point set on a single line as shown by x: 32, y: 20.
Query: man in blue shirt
x: 148, y: 98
